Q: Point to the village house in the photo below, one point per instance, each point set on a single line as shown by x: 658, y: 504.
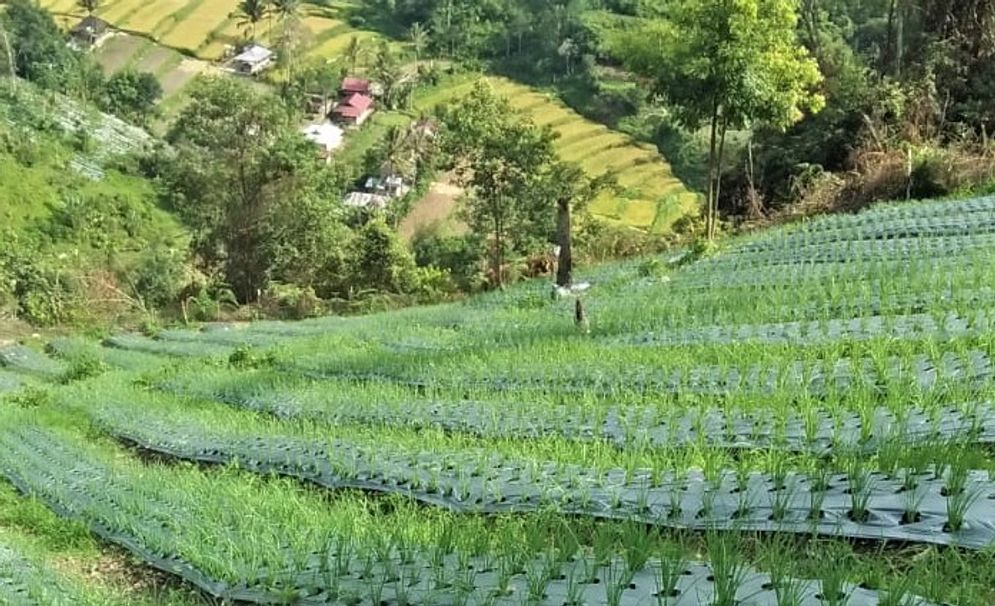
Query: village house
x: 90, y: 32
x: 254, y: 59
x: 391, y: 186
x: 354, y: 109
x: 355, y: 86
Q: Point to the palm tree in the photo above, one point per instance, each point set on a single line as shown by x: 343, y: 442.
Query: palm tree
x: 90, y: 6
x: 397, y: 153
x: 418, y: 35
x: 290, y: 35
x: 250, y: 13
x: 354, y: 52
x: 286, y: 9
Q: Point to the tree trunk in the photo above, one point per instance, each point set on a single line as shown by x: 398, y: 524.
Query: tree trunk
x: 899, y: 39
x: 564, y: 265
x: 712, y: 151
x: 888, y: 55
x: 718, y: 172
x: 498, y: 250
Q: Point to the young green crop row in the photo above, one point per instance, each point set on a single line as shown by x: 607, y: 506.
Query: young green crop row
x: 946, y: 505
x: 269, y: 542
x: 791, y: 420
x: 22, y: 583
x: 925, y: 214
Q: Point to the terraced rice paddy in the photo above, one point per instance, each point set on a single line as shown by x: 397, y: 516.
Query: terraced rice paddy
x: 803, y: 419
x: 203, y: 28
x: 652, y: 197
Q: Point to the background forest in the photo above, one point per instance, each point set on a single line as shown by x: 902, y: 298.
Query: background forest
x: 771, y: 109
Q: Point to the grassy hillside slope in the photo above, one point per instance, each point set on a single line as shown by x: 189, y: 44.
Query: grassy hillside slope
x: 72, y: 206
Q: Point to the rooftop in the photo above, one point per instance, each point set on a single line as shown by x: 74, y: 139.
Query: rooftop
x: 254, y: 53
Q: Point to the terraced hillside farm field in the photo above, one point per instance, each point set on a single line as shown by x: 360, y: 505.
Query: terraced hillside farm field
x: 652, y: 199
x: 804, y: 418
x: 203, y: 28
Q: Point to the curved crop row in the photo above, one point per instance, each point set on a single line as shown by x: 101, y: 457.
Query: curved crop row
x: 122, y: 508
x: 912, y: 506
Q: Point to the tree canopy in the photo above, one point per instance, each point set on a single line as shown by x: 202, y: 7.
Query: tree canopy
x: 726, y: 64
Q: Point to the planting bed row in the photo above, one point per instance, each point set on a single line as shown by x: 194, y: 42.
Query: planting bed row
x: 952, y: 508
x: 70, y: 348
x: 23, y: 584
x: 913, y: 326
x: 809, y: 430
x: 803, y: 273
x: 25, y: 360
x: 910, y: 215
x: 646, y: 310
x: 130, y: 342
x: 850, y: 250
x: 132, y: 515
x: 972, y: 368
x: 943, y: 227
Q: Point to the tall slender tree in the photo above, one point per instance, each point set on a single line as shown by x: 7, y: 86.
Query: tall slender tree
x: 249, y: 13
x: 290, y: 33
x: 418, y: 35
x: 90, y: 6
x: 500, y: 157
x: 354, y: 52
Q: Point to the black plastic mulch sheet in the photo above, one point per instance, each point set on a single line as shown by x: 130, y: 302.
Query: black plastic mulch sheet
x: 401, y: 575
x: 909, y: 507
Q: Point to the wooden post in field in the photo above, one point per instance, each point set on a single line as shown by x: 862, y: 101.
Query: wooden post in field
x: 580, y: 317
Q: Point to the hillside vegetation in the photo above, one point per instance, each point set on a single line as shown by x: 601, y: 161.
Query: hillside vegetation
x: 764, y: 423
x: 79, y: 221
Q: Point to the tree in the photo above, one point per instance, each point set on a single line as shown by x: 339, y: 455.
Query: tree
x: 418, y: 35
x: 566, y: 188
x: 90, y: 6
x: 131, y: 95
x: 395, y: 153
x: 286, y: 9
x: 240, y: 170
x: 500, y: 157
x: 726, y: 64
x: 250, y: 13
x: 40, y: 51
x: 396, y: 80
x: 379, y: 260
x: 290, y: 32
x: 354, y: 52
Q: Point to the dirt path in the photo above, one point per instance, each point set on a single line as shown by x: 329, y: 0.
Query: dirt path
x: 434, y: 211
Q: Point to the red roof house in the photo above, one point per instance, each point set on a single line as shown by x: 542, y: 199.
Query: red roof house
x: 354, y: 109
x: 351, y: 86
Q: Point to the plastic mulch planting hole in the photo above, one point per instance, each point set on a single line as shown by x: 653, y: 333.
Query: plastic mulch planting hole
x: 398, y: 574
x: 917, y: 509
